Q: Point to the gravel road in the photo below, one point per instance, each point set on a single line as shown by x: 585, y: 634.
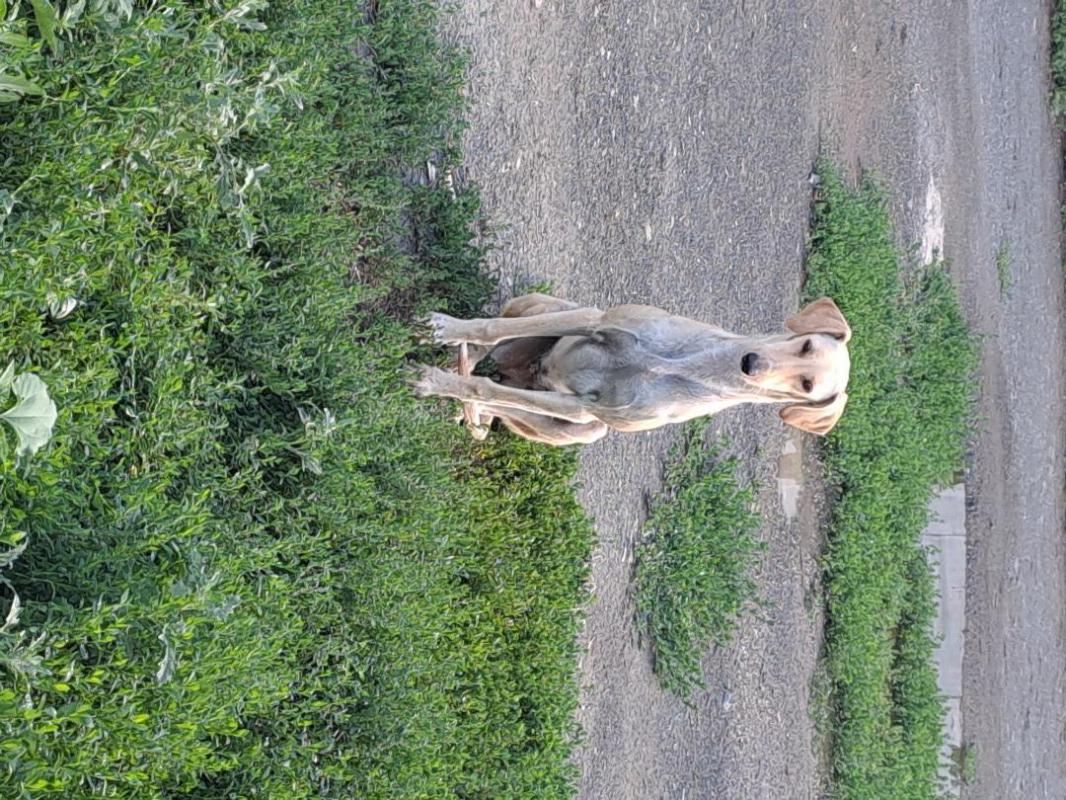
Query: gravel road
x: 659, y: 152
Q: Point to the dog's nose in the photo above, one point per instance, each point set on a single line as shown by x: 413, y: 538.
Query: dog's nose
x: 749, y: 363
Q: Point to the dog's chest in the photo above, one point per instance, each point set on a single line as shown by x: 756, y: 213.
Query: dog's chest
x: 615, y: 369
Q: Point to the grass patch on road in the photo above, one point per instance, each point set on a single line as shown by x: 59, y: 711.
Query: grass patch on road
x: 253, y: 565
x: 693, y: 573
x: 1058, y: 58
x: 1004, y: 269
x: 903, y: 435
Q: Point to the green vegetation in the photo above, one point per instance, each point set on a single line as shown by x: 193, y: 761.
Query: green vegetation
x: 902, y: 435
x: 33, y: 413
x: 693, y: 566
x: 965, y: 763
x: 1058, y: 58
x: 249, y: 564
x: 1003, y: 269
x: 1058, y: 72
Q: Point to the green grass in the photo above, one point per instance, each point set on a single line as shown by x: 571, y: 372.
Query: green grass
x: 254, y: 565
x: 1058, y: 58
x: 693, y: 565
x: 964, y: 763
x: 903, y: 434
x: 1003, y: 269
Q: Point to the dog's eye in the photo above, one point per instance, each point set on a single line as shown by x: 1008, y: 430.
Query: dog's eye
x: 807, y: 347
x: 807, y: 385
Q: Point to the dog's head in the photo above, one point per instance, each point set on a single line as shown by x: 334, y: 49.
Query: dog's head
x: 808, y: 369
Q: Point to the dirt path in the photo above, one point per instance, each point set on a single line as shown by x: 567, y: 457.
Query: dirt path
x: 660, y: 154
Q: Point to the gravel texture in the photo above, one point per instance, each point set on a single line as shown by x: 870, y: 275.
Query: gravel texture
x: 659, y: 152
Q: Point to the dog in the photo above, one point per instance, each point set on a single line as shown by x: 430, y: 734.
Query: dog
x: 568, y: 374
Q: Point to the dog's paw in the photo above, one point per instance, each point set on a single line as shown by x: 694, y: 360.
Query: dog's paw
x: 430, y: 381
x: 479, y: 432
x: 438, y: 328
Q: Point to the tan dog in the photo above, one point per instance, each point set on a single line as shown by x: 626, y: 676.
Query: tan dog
x: 568, y: 374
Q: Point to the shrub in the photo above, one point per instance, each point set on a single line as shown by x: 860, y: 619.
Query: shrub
x: 903, y: 435
x: 693, y: 565
x: 253, y: 565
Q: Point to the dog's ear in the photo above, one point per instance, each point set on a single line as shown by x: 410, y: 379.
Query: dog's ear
x: 816, y: 418
x: 821, y: 316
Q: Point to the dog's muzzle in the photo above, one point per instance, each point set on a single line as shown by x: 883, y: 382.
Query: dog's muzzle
x: 751, y: 364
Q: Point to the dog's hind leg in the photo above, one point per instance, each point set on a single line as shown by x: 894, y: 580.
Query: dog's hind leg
x: 530, y: 305
x: 515, y: 359
x: 570, y: 407
x: 515, y: 351
x: 548, y: 430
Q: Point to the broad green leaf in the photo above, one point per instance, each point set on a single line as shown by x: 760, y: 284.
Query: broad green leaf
x: 169, y: 661
x: 33, y: 415
x: 15, y: 39
x: 13, y: 612
x: 17, y: 85
x: 46, y: 18
x: 61, y: 308
x: 7, y: 202
x: 7, y: 97
x: 8, y: 556
x: 122, y: 7
x: 73, y: 13
x: 24, y: 662
x: 3, y: 9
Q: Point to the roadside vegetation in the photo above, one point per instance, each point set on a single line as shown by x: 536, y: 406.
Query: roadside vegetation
x: 1004, y: 269
x: 1058, y: 75
x: 1058, y: 58
x: 902, y: 436
x: 693, y: 573
x: 249, y: 564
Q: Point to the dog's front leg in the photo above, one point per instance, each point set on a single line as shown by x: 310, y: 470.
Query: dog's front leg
x: 569, y: 407
x: 444, y: 329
